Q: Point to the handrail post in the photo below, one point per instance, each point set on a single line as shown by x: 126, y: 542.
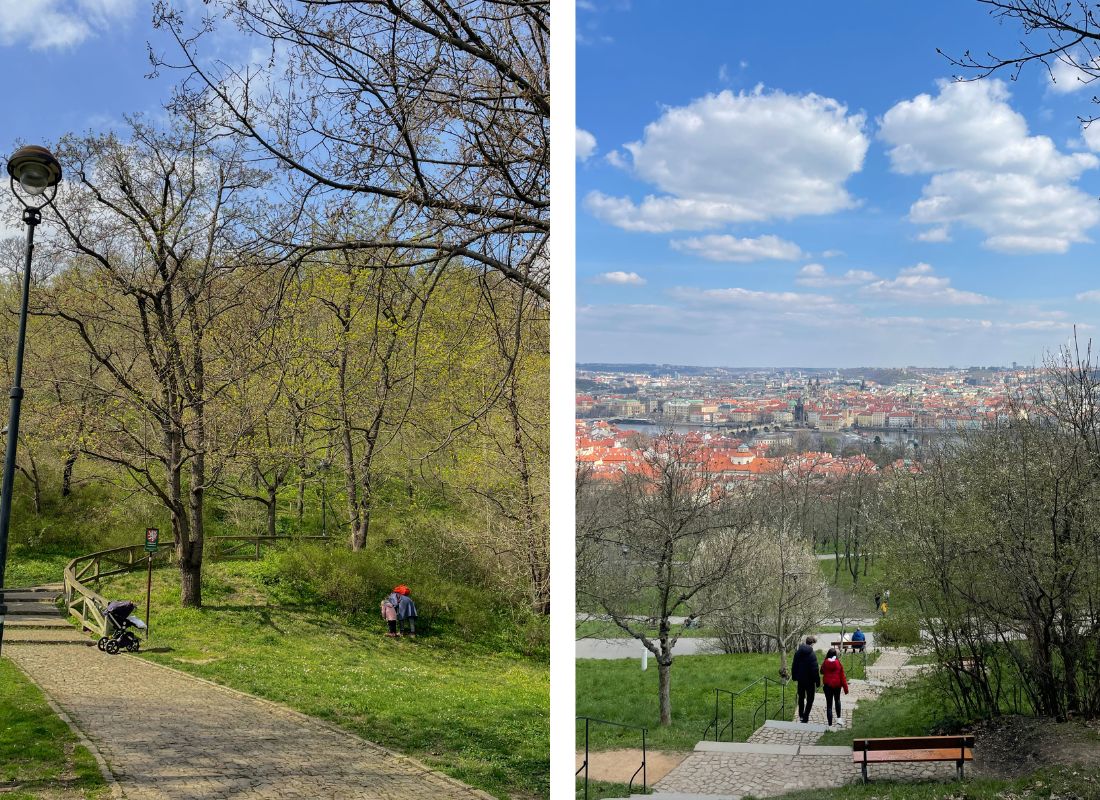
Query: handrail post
x: 586, y: 722
x: 731, y: 716
x: 716, y: 715
x: 644, y: 782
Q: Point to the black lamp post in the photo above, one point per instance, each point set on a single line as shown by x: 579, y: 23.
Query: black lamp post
x: 35, y: 174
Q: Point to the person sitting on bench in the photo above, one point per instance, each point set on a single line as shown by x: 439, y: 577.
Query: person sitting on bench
x: 859, y: 640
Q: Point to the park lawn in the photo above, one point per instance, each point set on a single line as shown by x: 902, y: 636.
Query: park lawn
x: 911, y: 709
x: 40, y: 757
x: 876, y: 580
x: 464, y: 707
x: 1056, y: 783
x: 618, y: 690
x: 27, y: 567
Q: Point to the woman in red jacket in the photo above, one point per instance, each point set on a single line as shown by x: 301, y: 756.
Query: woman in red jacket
x: 833, y: 680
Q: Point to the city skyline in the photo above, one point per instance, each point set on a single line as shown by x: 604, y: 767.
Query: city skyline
x: 865, y: 211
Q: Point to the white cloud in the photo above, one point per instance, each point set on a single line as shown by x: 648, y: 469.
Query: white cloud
x: 832, y: 253
x: 987, y: 171
x: 727, y: 158
x: 620, y: 278
x: 1091, y: 296
x: 940, y: 234
x: 920, y: 284
x: 730, y: 248
x: 46, y: 24
x: 724, y: 73
x: 586, y: 144
x: 616, y: 159
x: 817, y: 275
x: 751, y: 298
x: 1067, y: 77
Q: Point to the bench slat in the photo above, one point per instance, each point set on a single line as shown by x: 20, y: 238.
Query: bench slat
x: 913, y: 743
x: 926, y: 754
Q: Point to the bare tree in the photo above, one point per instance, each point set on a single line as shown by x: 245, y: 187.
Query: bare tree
x: 653, y: 545
x: 433, y: 114
x: 1056, y: 33
x: 151, y: 242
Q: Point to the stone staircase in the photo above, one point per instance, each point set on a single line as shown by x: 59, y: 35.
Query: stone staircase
x: 34, y: 618
x: 783, y: 756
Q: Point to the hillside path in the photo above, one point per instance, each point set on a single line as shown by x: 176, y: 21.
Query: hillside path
x: 167, y: 735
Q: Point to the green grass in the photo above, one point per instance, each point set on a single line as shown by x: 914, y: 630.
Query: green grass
x: 619, y: 691
x: 864, y: 590
x: 1056, y: 783
x: 467, y: 706
x: 599, y: 789
x: 913, y: 709
x: 39, y: 755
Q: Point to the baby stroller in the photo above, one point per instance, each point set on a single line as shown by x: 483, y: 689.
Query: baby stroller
x: 120, y: 619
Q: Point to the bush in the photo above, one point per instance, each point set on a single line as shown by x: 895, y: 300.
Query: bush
x: 897, y: 630
x: 355, y: 584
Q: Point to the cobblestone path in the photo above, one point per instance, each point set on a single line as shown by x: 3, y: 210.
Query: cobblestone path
x: 782, y: 756
x: 166, y: 735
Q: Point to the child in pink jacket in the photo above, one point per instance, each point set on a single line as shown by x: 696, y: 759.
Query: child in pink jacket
x: 389, y: 613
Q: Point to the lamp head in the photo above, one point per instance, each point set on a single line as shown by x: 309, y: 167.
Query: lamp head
x: 35, y: 169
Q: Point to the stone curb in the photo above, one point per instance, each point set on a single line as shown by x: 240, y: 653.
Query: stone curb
x: 478, y: 793
x: 104, y: 770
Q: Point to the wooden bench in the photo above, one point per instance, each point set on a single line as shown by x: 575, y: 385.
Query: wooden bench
x: 959, y: 749
x: 850, y: 645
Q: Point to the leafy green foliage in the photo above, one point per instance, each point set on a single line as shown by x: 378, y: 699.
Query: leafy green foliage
x: 897, y: 629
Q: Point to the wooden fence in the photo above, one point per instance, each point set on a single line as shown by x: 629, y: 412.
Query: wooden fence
x: 89, y: 607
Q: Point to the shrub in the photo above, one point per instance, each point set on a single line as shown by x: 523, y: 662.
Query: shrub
x: 897, y: 630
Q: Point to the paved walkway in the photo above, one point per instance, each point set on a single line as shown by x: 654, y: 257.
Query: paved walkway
x: 782, y: 756
x: 166, y: 735
x: 632, y: 648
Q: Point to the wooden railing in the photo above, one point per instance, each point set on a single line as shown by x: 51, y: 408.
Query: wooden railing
x: 89, y: 607
x: 86, y: 604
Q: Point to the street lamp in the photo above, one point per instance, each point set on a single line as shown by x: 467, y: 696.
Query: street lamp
x: 36, y: 173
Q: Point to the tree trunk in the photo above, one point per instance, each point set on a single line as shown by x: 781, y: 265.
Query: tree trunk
x: 191, y: 583
x: 271, y: 512
x: 664, y: 677
x: 67, y: 475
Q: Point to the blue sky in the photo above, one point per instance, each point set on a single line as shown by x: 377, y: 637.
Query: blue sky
x: 802, y: 184
x: 79, y: 66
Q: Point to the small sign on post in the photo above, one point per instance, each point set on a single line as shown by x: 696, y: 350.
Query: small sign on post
x: 152, y: 540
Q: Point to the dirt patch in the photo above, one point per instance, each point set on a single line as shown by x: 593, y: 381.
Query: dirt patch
x: 1009, y: 747
x: 617, y: 766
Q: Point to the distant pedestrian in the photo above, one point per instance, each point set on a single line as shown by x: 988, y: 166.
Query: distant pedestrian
x: 389, y: 613
x: 804, y: 673
x: 834, y: 680
x: 886, y: 595
x: 878, y: 600
x: 884, y: 608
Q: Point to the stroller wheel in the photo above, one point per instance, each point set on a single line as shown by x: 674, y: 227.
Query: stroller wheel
x: 102, y: 643
x: 134, y: 646
x: 111, y: 647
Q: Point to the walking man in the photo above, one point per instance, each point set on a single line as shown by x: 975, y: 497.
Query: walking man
x: 805, y: 674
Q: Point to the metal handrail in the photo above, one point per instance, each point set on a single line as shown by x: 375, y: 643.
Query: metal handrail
x: 641, y: 769
x: 764, y: 705
x: 733, y: 697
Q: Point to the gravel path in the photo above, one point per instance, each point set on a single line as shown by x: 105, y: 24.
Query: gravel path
x: 166, y: 734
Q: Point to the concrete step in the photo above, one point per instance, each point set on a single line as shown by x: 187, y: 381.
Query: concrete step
x: 44, y: 607
x: 786, y: 725
x: 28, y: 596
x: 37, y: 621
x: 44, y: 636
